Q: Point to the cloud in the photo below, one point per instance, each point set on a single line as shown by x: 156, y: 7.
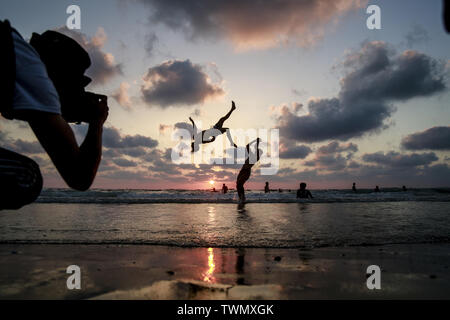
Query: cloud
x: 436, y: 175
x: 395, y: 159
x: 328, y: 162
x: 103, y: 66
x: 178, y: 83
x: 335, y: 147
x: 121, y: 162
x: 375, y: 77
x: 299, y: 92
x: 122, y: 97
x: 22, y: 146
x: 330, y: 156
x: 196, y: 113
x: 134, y: 152
x: 435, y: 138
x: 163, y: 128
x: 112, y: 138
x: 290, y: 150
x: 150, y: 42
x: 19, y: 145
x: 251, y: 23
x: 286, y: 109
x: 417, y: 35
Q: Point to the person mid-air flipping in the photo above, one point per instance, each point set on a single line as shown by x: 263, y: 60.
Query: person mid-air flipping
x: 208, y: 136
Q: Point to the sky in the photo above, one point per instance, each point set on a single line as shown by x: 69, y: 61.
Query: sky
x: 351, y: 104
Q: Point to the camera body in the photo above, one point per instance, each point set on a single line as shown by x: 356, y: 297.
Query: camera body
x: 66, y: 62
x: 81, y: 107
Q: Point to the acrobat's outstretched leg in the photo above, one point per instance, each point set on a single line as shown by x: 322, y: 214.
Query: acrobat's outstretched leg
x: 219, y: 123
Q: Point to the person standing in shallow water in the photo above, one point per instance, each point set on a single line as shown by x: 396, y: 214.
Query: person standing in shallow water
x: 246, y: 170
x: 354, y: 187
x: 303, y: 193
x: 224, y: 188
x: 266, y: 188
x: 377, y: 189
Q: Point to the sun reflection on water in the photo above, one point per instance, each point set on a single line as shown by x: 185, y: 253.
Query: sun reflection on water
x: 212, y: 214
x: 209, y: 273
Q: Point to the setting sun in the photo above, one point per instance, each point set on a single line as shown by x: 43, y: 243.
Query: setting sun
x: 211, y: 182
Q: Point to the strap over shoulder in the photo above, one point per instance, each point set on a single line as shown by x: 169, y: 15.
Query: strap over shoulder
x: 8, y: 66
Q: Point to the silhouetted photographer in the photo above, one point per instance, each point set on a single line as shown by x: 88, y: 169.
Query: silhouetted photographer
x: 43, y: 83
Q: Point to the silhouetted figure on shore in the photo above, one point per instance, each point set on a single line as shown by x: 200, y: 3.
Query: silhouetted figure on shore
x: 303, y: 193
x: 404, y: 188
x: 224, y: 188
x: 42, y: 83
x: 208, y: 136
x: 354, y: 187
x: 446, y: 15
x: 266, y: 188
x: 377, y: 189
x: 246, y: 170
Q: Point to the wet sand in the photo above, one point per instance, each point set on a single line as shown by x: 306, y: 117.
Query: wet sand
x: 37, y: 271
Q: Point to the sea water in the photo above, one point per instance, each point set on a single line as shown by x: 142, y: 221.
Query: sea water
x: 200, y: 218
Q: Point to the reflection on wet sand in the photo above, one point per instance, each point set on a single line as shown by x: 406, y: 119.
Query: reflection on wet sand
x: 211, y: 215
x: 240, y: 263
x: 303, y: 207
x: 241, y: 208
x: 209, y: 274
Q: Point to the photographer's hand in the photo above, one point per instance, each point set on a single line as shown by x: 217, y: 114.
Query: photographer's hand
x: 100, y: 112
x: 77, y: 164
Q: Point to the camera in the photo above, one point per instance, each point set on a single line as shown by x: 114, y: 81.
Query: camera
x: 81, y: 108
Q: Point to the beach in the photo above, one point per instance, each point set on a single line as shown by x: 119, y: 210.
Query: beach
x: 148, y: 249
x: 37, y: 271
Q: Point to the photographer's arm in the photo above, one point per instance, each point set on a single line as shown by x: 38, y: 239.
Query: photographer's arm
x: 77, y: 164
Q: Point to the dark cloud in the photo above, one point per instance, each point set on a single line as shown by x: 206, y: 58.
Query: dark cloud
x: 103, y: 66
x: 178, y: 83
x: 332, y: 156
x: 251, y: 23
x: 112, y: 138
x: 328, y: 162
x: 336, y: 147
x: 20, y: 146
x: 134, y: 152
x: 395, y: 159
x: 121, y: 162
x: 290, y: 150
x: 435, y: 138
x: 110, y: 153
x: 375, y: 77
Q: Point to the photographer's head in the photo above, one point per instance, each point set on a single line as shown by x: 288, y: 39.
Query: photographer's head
x: 66, y: 62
